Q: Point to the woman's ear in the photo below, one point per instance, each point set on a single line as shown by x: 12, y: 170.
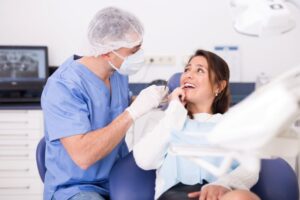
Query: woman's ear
x: 220, y: 87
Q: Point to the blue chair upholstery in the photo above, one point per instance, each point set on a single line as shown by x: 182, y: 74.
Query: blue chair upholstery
x: 40, y: 158
x: 277, y: 181
x: 174, y: 81
x: 128, y: 181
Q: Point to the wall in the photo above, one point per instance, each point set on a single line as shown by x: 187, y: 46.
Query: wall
x: 173, y: 28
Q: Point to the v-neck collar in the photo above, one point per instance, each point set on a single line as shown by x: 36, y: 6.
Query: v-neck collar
x: 87, y: 73
x: 90, y: 76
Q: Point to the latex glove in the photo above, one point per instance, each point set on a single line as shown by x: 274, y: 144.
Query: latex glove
x: 148, y: 99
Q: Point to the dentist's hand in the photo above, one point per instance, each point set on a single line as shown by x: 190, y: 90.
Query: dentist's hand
x: 148, y: 99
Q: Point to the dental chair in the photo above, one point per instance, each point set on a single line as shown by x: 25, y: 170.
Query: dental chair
x: 277, y: 181
x: 40, y: 158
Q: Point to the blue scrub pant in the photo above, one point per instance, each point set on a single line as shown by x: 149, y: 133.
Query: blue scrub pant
x: 87, y: 196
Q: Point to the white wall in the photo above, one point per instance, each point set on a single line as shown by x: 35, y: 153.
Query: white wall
x: 173, y: 27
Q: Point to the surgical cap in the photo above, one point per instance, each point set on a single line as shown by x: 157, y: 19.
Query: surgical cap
x: 113, y: 28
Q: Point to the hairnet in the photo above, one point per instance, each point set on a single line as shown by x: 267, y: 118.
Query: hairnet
x: 113, y: 28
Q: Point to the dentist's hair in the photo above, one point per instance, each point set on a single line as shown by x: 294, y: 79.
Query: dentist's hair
x: 218, y: 71
x: 113, y: 28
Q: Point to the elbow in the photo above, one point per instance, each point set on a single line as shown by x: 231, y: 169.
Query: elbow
x: 83, y: 166
x: 255, y: 179
x: 143, y: 163
x: 83, y: 160
x: 82, y: 163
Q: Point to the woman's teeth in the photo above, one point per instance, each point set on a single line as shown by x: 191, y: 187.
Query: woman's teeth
x: 189, y: 85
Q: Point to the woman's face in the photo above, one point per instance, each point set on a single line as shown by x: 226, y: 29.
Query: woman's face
x: 196, y: 83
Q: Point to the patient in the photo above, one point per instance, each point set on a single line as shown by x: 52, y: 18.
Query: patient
x: 194, y: 109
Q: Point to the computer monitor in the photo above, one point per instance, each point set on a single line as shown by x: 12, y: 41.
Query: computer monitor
x: 23, y: 72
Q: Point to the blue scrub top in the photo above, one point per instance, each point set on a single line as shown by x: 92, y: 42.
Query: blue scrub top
x: 76, y: 101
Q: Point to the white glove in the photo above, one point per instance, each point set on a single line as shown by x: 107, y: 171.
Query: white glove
x: 148, y: 99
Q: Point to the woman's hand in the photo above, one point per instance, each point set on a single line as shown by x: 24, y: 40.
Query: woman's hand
x: 178, y: 94
x: 209, y: 192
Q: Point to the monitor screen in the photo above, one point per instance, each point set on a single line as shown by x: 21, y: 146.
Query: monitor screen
x: 23, y: 64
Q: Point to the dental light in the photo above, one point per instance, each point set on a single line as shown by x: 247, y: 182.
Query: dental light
x: 263, y: 17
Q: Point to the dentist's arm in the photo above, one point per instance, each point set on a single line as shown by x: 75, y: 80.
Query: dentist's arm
x: 150, y: 151
x: 86, y: 149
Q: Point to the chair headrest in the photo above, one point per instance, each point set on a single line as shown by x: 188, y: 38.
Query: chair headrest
x: 174, y: 81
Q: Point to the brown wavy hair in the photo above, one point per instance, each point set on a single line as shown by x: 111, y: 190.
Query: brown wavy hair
x: 218, y: 71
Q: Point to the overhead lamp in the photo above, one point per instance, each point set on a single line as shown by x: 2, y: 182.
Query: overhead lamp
x: 263, y: 17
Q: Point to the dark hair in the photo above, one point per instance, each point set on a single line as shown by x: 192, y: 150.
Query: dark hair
x: 158, y: 82
x: 218, y: 71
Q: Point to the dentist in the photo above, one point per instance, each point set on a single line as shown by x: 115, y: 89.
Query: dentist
x: 85, y: 105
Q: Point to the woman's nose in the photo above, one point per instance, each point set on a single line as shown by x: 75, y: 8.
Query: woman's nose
x: 189, y: 75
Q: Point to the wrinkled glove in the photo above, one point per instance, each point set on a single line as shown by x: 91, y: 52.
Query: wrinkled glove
x: 148, y: 99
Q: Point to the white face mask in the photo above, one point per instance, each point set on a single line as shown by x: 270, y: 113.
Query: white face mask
x: 131, y: 64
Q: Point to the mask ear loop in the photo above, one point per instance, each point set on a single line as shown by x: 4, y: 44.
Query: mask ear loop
x: 119, y: 55
x: 112, y: 65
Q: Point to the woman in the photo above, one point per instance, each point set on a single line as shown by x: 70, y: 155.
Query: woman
x: 195, y: 108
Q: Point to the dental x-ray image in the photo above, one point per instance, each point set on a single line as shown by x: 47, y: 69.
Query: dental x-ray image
x: 16, y: 64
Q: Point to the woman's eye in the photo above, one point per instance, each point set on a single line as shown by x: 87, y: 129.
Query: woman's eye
x: 186, y: 69
x: 200, y: 70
